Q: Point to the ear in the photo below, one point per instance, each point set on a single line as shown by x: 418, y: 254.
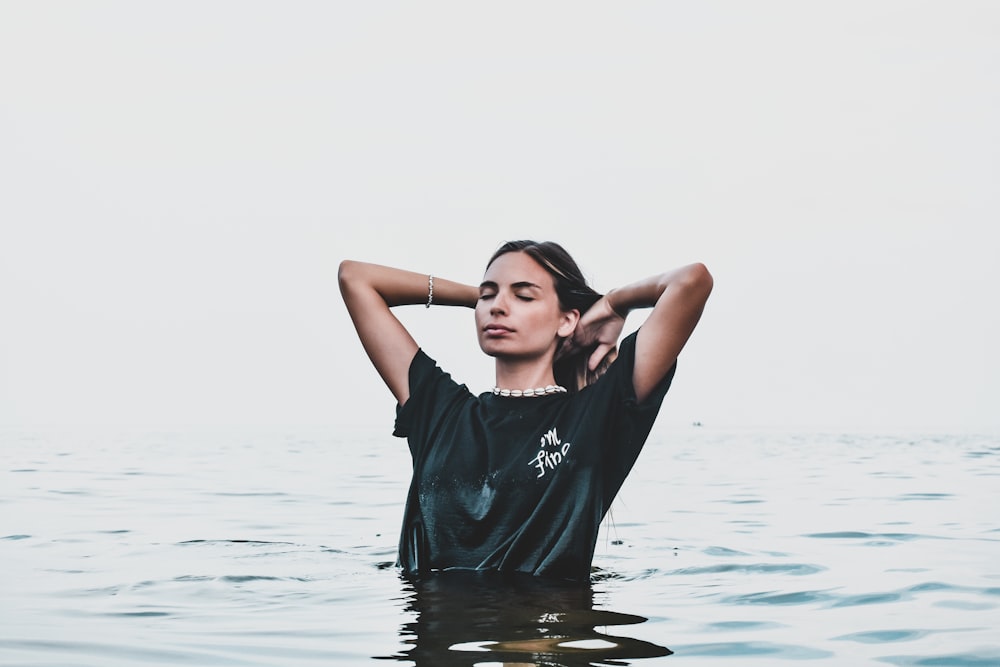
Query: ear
x: 568, y: 322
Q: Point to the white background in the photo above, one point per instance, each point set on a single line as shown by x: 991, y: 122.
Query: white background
x: 178, y: 182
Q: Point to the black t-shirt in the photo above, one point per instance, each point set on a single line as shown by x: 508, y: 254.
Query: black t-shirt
x: 517, y: 484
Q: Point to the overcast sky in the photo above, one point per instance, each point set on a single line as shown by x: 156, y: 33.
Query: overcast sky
x: 179, y: 180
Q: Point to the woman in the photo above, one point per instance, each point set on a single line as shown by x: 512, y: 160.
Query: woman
x: 519, y: 479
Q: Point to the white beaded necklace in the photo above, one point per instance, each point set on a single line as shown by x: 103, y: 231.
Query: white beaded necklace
x: 528, y: 393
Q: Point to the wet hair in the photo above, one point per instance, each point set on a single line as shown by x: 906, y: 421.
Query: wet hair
x: 570, y: 370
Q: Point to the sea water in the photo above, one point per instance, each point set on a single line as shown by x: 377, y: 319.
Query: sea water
x: 277, y: 548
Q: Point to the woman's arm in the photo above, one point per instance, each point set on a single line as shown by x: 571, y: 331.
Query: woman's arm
x: 369, y: 291
x: 677, y: 298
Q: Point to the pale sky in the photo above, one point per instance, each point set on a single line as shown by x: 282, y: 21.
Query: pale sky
x: 179, y: 180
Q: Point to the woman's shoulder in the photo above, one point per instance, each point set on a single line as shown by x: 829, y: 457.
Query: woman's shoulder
x: 424, y: 369
x: 615, y: 385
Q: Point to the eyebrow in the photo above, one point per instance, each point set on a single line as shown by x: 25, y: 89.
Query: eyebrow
x: 489, y: 284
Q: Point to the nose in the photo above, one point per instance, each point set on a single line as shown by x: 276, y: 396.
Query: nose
x: 499, y: 304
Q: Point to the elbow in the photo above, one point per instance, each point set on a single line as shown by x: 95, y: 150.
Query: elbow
x: 698, y: 280
x: 702, y: 277
x: 347, y: 273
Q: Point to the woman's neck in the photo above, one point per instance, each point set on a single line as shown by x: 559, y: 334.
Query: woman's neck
x: 512, y: 374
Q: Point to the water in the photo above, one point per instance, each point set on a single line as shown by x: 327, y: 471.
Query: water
x: 725, y: 548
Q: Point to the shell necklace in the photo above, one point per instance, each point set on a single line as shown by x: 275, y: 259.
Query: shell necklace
x: 528, y: 393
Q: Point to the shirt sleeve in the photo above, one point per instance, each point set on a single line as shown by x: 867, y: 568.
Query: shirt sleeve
x: 432, y: 394
x: 629, y: 421
x: 622, y: 372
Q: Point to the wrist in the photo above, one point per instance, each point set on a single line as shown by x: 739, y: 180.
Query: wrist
x: 430, y: 291
x: 471, y: 296
x: 437, y: 291
x: 616, y: 309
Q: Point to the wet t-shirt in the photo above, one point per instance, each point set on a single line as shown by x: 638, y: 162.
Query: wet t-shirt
x: 517, y: 484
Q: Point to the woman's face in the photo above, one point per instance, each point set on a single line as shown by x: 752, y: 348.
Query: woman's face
x: 518, y: 313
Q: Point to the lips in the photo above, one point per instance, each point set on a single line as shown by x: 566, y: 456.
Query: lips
x: 496, y: 330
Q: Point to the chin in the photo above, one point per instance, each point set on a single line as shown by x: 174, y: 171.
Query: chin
x: 490, y: 348
x: 499, y: 348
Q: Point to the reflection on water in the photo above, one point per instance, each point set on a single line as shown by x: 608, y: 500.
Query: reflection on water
x: 478, y: 618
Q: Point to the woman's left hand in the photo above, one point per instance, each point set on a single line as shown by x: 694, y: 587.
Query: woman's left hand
x: 599, y: 329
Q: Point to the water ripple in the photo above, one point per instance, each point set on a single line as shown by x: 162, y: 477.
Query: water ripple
x: 932, y: 586
x: 860, y: 535
x: 138, y: 614
x: 228, y: 542
x: 776, y: 598
x: 723, y: 551
x: 797, y: 569
x: 953, y: 660
x: 924, y: 496
x: 112, y: 652
x: 237, y: 578
x: 737, y: 649
x: 729, y: 626
x: 866, y: 599
x: 964, y: 605
x: 884, y: 636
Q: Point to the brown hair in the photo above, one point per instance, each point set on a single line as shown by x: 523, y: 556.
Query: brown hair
x: 570, y: 370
